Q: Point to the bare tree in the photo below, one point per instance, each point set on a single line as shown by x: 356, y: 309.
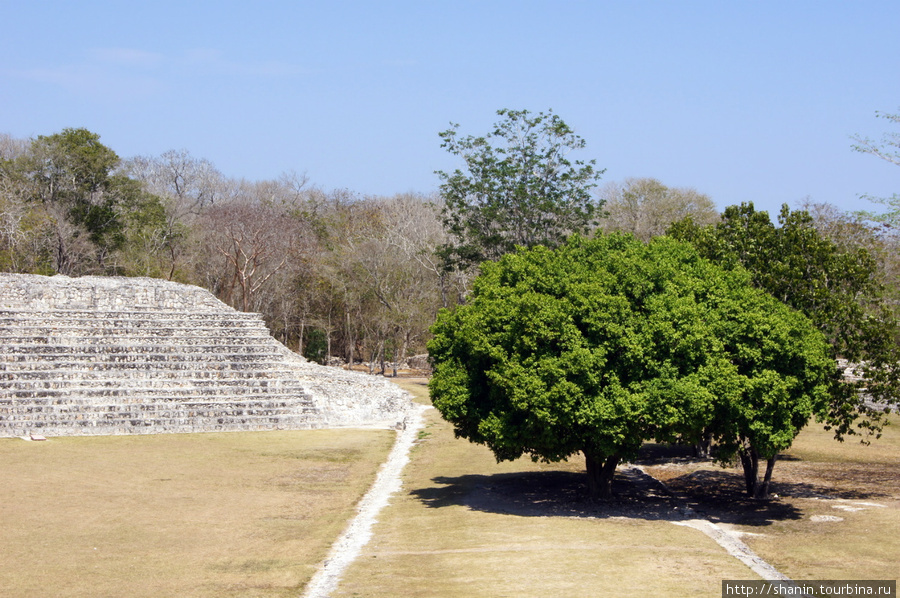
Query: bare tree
x: 12, y: 147
x: 249, y: 236
x: 645, y: 207
x: 186, y: 186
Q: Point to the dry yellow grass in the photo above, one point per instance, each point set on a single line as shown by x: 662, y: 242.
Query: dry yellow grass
x: 238, y: 514
x: 253, y: 515
x: 466, y: 526
x: 823, y: 479
x: 835, y: 513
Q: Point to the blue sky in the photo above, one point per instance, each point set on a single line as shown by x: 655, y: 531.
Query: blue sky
x: 745, y: 101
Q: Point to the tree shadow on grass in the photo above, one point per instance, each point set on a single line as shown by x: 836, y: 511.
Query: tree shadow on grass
x: 564, y: 494
x: 719, y: 487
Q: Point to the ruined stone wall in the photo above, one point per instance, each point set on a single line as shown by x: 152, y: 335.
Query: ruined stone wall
x: 101, y: 293
x: 98, y: 355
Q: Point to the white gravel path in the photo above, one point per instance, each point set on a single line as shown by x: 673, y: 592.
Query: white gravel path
x: 729, y: 541
x: 736, y: 548
x: 350, y: 543
x: 359, y: 531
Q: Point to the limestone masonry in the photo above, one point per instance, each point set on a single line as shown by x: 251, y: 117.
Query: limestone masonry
x: 110, y: 355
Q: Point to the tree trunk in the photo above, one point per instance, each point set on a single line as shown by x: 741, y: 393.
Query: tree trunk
x: 328, y: 346
x: 443, y: 281
x: 750, y: 461
x: 762, y: 490
x: 172, y: 269
x: 349, y: 344
x: 400, y: 356
x: 600, y: 475
x: 704, y: 446
x: 300, y: 341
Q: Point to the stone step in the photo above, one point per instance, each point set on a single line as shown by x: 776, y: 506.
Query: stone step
x: 23, y: 333
x: 136, y: 318
x: 39, y: 351
x: 127, y: 312
x: 89, y: 396
x: 159, y: 423
x: 221, y: 342
x: 101, y: 329
x: 125, y: 383
x: 141, y: 375
x: 27, y: 291
x: 131, y: 340
x: 283, y: 405
x: 103, y: 326
x: 281, y: 402
x: 128, y: 359
x: 146, y: 370
x: 276, y: 405
x: 106, y: 376
x: 138, y: 322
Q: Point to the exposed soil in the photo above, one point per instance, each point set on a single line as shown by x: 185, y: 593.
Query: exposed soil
x: 719, y: 492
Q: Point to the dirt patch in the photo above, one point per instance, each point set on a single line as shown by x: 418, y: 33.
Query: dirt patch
x: 719, y: 493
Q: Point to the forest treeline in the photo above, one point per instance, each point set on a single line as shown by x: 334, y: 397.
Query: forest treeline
x: 336, y: 274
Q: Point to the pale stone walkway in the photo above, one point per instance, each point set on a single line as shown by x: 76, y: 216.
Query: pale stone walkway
x: 729, y: 541
x: 356, y: 536
x: 350, y: 543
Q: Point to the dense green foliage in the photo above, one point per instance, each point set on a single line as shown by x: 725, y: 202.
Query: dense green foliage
x: 839, y: 289
x: 81, y: 211
x: 601, y: 345
x: 518, y: 188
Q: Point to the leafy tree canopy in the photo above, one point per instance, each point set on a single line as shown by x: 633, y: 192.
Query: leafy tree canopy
x: 71, y: 165
x: 838, y: 289
x: 70, y: 176
x: 518, y: 188
x: 600, y: 345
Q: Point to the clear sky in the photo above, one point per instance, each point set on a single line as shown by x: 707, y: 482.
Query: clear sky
x: 742, y: 100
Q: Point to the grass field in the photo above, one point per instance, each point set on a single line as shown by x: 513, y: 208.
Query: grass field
x: 466, y: 526
x: 836, y: 513
x: 253, y: 515
x: 236, y: 514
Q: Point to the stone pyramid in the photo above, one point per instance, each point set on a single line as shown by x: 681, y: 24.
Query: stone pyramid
x: 112, y: 355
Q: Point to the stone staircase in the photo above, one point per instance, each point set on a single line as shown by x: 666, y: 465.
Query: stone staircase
x: 122, y: 356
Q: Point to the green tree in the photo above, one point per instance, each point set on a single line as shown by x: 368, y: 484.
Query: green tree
x: 600, y: 345
x: 849, y: 232
x: 518, y: 188
x: 70, y: 178
x: 838, y: 289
